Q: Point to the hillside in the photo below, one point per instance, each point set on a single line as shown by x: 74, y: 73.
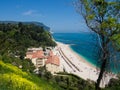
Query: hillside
x: 13, y: 78
x: 17, y: 37
x: 28, y: 23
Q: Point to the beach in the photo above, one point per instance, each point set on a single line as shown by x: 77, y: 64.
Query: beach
x: 73, y: 63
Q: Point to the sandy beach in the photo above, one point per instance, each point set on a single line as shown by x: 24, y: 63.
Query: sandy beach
x: 73, y: 63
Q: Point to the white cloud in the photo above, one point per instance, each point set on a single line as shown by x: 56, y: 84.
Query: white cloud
x: 32, y: 13
x: 29, y: 13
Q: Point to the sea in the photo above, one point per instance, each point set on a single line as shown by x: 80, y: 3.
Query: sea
x: 84, y: 44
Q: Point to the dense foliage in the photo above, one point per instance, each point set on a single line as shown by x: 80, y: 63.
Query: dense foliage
x: 114, y: 84
x: 73, y: 82
x: 102, y: 17
x: 16, y: 38
x: 13, y: 78
x: 14, y: 41
x: 25, y: 65
x: 66, y: 81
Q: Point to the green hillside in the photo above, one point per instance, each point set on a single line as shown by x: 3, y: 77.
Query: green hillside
x: 16, y: 38
x: 13, y: 78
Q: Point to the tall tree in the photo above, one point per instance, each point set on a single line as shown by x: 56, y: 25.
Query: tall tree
x: 103, y: 18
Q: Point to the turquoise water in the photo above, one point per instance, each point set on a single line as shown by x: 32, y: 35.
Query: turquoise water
x: 84, y: 44
x: 81, y: 43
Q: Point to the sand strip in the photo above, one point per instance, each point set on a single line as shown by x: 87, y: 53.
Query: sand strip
x: 73, y: 63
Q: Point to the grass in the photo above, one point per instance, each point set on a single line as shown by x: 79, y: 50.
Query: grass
x: 13, y: 78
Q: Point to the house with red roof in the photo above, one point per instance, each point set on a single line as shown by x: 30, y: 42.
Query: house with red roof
x: 39, y: 59
x: 52, y: 63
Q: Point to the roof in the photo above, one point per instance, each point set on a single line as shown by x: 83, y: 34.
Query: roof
x: 38, y: 54
x: 53, y: 60
x: 34, y: 49
x: 51, y: 53
x: 29, y: 53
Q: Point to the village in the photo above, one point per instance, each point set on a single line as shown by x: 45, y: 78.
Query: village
x: 47, y: 58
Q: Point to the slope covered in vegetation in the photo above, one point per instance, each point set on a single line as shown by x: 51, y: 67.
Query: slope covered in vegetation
x: 16, y: 38
x: 13, y: 78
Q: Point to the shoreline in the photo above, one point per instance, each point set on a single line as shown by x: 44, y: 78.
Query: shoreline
x: 73, y: 63
x: 82, y: 58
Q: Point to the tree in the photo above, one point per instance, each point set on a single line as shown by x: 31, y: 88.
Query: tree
x: 102, y: 17
x: 114, y: 84
x: 48, y: 75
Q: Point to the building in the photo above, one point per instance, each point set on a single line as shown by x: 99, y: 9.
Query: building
x: 39, y: 59
x: 34, y: 49
x: 31, y: 51
x: 37, y: 56
x: 52, y: 64
x: 29, y: 55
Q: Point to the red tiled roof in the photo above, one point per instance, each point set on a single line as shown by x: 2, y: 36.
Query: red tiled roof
x: 53, y: 60
x: 51, y: 53
x: 38, y: 54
